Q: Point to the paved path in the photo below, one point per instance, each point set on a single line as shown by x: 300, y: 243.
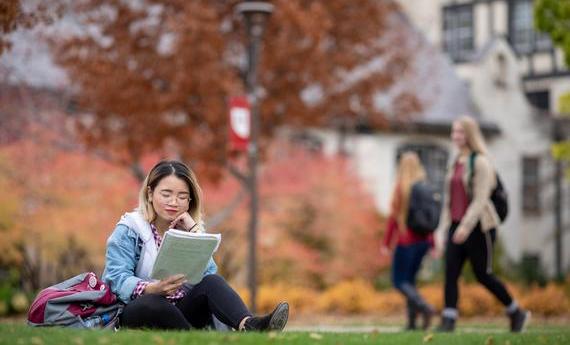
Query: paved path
x: 378, y: 329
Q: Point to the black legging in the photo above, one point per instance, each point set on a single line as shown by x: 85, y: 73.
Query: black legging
x: 210, y: 296
x: 478, y: 248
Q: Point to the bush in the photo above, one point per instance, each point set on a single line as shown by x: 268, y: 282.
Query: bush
x: 549, y: 301
x: 475, y: 300
x: 351, y: 297
x: 300, y: 299
x: 3, y: 308
x: 19, y: 302
x: 433, y: 294
x: 359, y: 297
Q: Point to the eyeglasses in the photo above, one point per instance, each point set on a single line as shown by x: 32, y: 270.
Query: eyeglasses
x: 180, y: 198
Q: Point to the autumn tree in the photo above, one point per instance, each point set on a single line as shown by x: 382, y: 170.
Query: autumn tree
x: 317, y: 226
x: 157, y: 74
x: 59, y: 204
x: 14, y: 15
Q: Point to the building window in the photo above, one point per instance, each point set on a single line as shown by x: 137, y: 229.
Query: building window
x: 531, y: 185
x: 539, y: 99
x: 434, y: 160
x: 523, y: 37
x: 458, y: 31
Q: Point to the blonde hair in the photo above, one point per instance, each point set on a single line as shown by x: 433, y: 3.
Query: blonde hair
x: 410, y: 171
x: 164, y: 169
x: 473, y: 135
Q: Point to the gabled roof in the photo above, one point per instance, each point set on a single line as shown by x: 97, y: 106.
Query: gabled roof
x: 444, y: 95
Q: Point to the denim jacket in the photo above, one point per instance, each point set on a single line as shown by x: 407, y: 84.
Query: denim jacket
x: 123, y: 254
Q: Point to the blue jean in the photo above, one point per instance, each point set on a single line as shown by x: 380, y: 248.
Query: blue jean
x: 406, y: 263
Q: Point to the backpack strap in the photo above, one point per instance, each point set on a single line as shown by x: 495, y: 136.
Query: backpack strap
x: 472, y: 157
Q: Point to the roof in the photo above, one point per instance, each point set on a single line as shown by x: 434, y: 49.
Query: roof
x: 444, y: 95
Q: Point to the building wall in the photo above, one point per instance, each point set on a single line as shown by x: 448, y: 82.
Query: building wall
x: 373, y: 157
x: 542, y: 70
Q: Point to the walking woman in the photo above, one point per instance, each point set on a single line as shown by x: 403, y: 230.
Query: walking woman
x: 410, y: 246
x: 468, y: 224
x: 170, y: 197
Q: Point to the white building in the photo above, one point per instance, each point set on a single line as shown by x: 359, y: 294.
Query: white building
x: 489, y: 63
x: 463, y: 28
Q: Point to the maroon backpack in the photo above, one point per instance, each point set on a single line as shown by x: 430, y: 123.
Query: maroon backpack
x: 83, y: 301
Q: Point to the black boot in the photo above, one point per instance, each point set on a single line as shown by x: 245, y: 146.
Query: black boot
x: 412, y: 314
x: 419, y: 303
x: 275, y: 321
x: 519, y: 319
x: 447, y: 324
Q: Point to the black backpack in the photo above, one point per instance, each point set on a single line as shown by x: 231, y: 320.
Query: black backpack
x: 499, y: 196
x: 424, y: 209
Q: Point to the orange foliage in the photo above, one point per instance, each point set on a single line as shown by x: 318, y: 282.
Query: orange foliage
x: 317, y: 225
x: 549, y: 301
x: 14, y: 14
x: 52, y: 190
x: 55, y: 194
x: 300, y: 299
x: 350, y: 297
x: 358, y: 297
x: 162, y: 71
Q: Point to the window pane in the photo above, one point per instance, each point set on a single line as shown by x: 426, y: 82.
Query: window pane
x: 434, y: 160
x: 458, y: 31
x: 522, y: 34
x: 531, y: 185
x: 539, y: 99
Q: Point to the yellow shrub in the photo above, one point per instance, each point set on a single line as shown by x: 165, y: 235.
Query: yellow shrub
x: 349, y: 297
x: 300, y: 299
x: 243, y: 293
x: 433, y: 294
x: 475, y: 300
x: 359, y: 297
x: 548, y: 301
x: 389, y: 302
x: 19, y: 302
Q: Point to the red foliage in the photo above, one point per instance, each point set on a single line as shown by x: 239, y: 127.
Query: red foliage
x: 317, y: 225
x: 60, y: 193
x: 163, y: 70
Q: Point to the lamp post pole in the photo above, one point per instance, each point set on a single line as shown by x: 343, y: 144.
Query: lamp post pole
x: 255, y: 14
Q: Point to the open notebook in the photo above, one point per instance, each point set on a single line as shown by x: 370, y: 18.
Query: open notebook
x: 184, y: 252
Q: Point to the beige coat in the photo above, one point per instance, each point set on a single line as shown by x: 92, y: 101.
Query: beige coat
x: 480, y: 208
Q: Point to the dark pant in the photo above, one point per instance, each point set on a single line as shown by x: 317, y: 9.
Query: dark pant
x: 405, y: 266
x: 406, y: 263
x: 478, y: 248
x: 211, y: 296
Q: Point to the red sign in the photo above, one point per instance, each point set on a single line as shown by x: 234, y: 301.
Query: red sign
x: 240, y: 123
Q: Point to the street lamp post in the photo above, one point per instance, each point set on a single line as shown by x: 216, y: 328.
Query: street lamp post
x: 255, y: 14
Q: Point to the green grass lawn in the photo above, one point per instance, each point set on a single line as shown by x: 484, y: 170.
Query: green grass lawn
x: 19, y: 334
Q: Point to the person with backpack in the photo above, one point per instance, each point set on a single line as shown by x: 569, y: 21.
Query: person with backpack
x: 411, y: 246
x: 469, y: 223
x: 170, y: 197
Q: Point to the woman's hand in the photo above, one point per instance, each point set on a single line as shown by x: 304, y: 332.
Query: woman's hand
x: 385, y: 250
x: 166, y: 286
x: 184, y: 222
x: 460, y: 235
x: 436, y: 252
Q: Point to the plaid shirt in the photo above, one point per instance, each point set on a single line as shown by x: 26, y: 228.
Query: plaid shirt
x: 141, y: 285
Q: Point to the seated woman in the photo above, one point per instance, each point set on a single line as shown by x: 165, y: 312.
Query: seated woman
x: 170, y: 197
